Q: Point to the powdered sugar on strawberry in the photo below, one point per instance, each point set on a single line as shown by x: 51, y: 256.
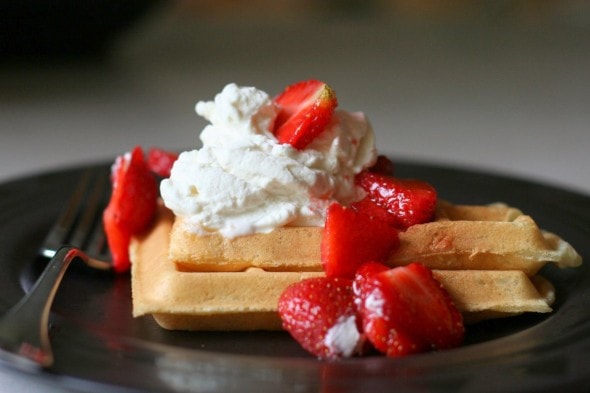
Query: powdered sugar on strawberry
x: 244, y: 181
x: 343, y: 338
x: 374, y: 303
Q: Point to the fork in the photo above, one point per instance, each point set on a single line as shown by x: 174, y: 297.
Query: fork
x: 24, y: 330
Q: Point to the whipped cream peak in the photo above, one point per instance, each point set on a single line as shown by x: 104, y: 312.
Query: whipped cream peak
x: 238, y: 110
x: 242, y: 181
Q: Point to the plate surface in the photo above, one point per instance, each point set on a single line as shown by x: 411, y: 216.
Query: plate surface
x: 99, y: 347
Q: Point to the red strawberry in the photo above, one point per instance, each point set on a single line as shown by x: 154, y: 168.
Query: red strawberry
x: 351, y: 238
x: 370, y: 208
x: 321, y: 316
x: 160, y: 161
x: 383, y: 165
x: 118, y: 240
x: 405, y: 310
x: 132, y: 205
x: 305, y: 109
x: 410, y: 201
x: 364, y: 273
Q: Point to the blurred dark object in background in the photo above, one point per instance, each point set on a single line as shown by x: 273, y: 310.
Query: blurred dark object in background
x: 36, y: 29
x: 57, y: 29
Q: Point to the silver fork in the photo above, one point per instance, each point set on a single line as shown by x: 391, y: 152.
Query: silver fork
x: 24, y: 331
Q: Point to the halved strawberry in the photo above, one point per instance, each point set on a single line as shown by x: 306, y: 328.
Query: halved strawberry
x: 305, y: 109
x: 405, y: 310
x: 410, y: 201
x: 351, y: 238
x: 160, y: 161
x: 320, y: 315
x: 370, y: 208
x: 132, y: 205
x: 366, y: 272
x: 118, y: 240
x: 383, y: 165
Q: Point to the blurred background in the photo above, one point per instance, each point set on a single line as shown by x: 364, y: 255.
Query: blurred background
x: 501, y: 86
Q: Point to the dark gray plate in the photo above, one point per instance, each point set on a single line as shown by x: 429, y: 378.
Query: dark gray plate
x: 100, y: 347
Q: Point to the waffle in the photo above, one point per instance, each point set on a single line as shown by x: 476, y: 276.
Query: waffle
x: 247, y: 299
x: 493, y: 237
x: 484, y: 245
x: 191, y: 252
x: 244, y: 300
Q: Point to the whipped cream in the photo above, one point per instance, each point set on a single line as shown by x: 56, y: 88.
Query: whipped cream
x: 242, y: 181
x: 343, y: 338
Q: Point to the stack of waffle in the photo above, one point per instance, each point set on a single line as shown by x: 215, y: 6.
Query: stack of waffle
x: 486, y: 257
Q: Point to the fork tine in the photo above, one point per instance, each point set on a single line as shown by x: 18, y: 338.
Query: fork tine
x: 80, y: 223
x: 67, y: 218
x: 90, y: 216
x: 96, y: 243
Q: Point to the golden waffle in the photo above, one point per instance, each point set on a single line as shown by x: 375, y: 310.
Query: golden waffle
x: 247, y: 300
x: 494, y: 237
x: 486, y: 245
x: 191, y: 252
x: 205, y: 301
x: 486, y: 294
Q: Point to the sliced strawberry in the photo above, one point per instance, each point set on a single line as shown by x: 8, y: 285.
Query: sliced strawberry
x: 364, y: 273
x: 410, y: 201
x: 118, y: 240
x: 160, y: 161
x: 383, y: 165
x: 305, y: 109
x: 321, y: 316
x: 132, y: 205
x: 370, y: 208
x: 351, y: 238
x: 405, y: 310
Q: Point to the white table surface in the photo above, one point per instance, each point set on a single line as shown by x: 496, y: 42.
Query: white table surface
x: 504, y: 98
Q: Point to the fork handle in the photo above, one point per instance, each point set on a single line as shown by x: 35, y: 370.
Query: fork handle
x: 24, y: 328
